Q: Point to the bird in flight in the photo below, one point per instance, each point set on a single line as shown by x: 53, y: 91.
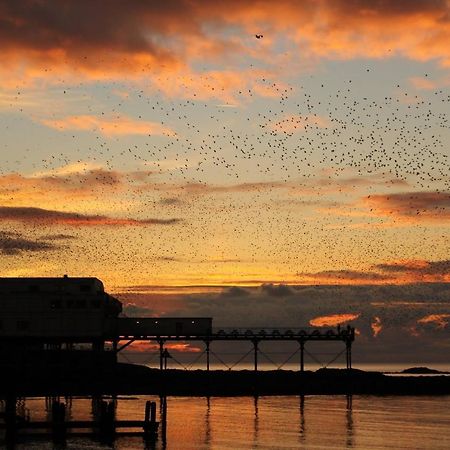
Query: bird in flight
x: 258, y: 36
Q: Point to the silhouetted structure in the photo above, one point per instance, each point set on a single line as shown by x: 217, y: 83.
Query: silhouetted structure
x: 47, y: 321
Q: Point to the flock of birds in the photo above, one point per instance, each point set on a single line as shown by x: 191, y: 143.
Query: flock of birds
x: 238, y: 166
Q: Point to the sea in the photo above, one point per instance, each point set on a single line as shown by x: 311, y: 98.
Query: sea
x: 265, y: 422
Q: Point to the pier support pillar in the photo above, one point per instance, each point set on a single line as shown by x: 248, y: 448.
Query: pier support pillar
x: 348, y: 345
x: 207, y: 355
x: 255, y: 351
x: 302, y: 356
x: 161, y: 354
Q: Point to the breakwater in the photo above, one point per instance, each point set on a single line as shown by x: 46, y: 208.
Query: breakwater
x: 134, y: 379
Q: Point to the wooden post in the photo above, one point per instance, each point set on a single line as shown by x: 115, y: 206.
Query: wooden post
x: 110, y: 415
x: 147, y: 411
x: 58, y: 421
x: 153, y: 412
x: 150, y: 425
x: 102, y: 421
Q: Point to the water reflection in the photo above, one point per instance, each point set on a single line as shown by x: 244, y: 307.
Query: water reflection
x: 208, y: 423
x: 349, y: 417
x: 163, y: 420
x: 255, y: 421
x: 302, y: 418
x: 249, y: 423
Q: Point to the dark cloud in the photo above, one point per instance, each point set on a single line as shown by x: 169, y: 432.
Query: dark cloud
x: 235, y: 291
x: 39, y: 215
x: 410, y: 318
x: 133, y: 310
x: 417, y: 267
x: 14, y: 243
x: 413, y: 205
x: 78, y: 26
x: 170, y: 201
x: 406, y: 271
x: 346, y: 275
x: 276, y: 290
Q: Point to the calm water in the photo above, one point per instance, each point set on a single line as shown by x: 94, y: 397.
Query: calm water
x: 314, y: 422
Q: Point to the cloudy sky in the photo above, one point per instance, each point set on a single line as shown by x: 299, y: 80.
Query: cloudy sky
x: 197, y: 155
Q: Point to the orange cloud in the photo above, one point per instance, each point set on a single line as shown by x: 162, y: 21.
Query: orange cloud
x: 428, y: 84
x: 233, y: 87
x: 438, y: 319
x: 145, y: 346
x: 42, y: 39
x: 332, y: 320
x: 376, y: 326
x: 119, y: 125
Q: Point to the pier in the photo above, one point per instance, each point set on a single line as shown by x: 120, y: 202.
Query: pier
x: 75, y: 323
x: 253, y: 336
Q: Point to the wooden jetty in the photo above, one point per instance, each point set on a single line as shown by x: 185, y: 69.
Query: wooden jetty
x: 105, y: 426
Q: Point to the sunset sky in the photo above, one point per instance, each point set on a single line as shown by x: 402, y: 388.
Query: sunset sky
x: 196, y: 155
